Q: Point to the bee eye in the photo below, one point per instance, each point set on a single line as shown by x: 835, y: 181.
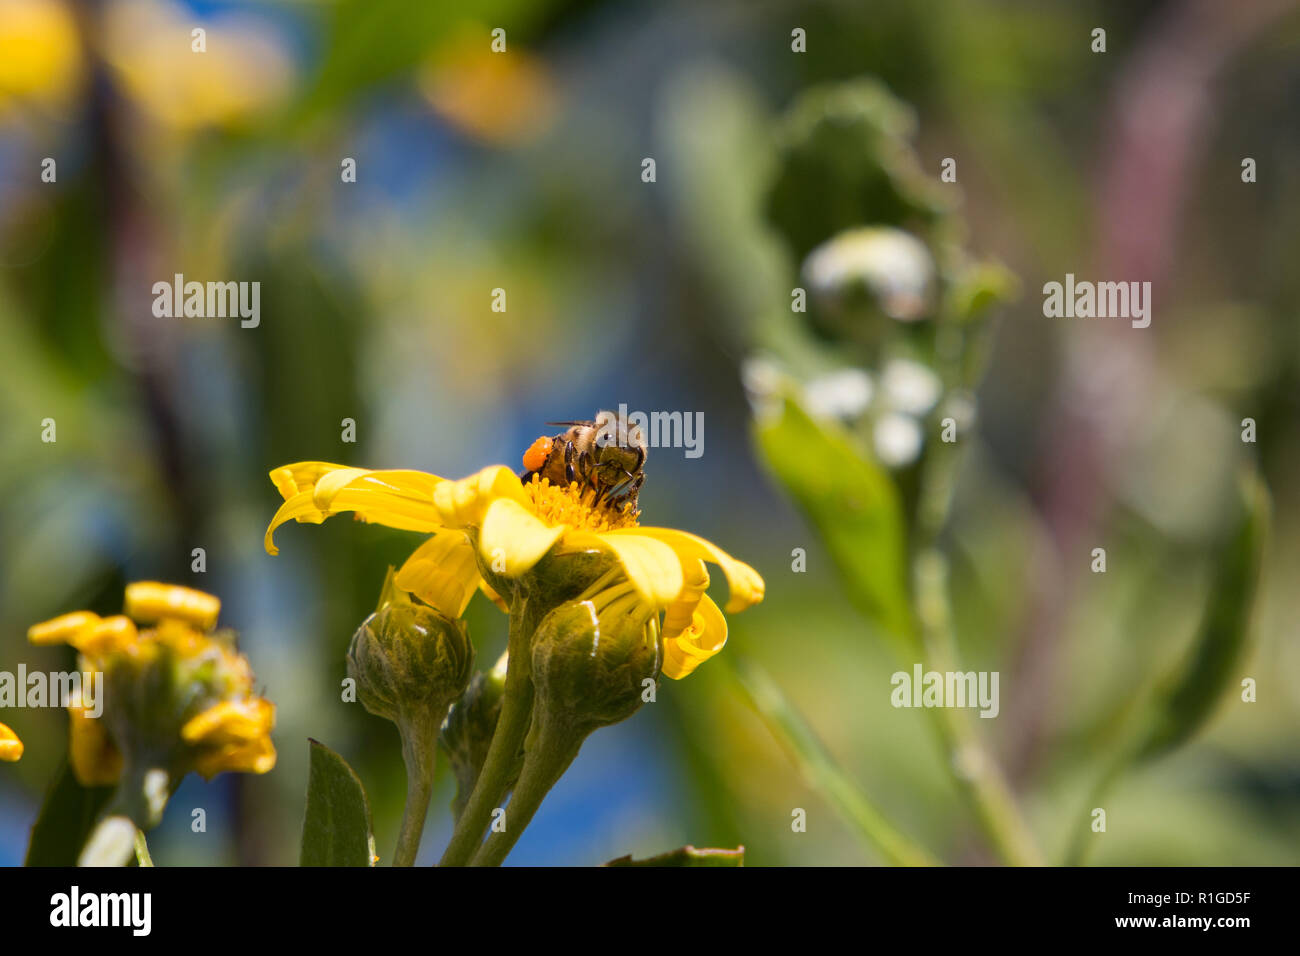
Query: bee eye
x: 537, y: 453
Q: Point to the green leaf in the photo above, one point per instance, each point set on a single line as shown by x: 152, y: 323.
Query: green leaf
x: 1186, y: 698
x: 67, y: 816
x: 687, y: 856
x: 336, y: 830
x: 853, y: 505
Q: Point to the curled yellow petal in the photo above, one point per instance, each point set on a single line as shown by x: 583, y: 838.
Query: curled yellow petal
x: 313, y: 491
x: 442, y: 572
x: 150, y: 601
x: 65, y: 629
x: 697, y: 643
x: 512, y: 539
x: 11, y: 748
x: 301, y: 476
x: 681, y: 613
x: 744, y: 583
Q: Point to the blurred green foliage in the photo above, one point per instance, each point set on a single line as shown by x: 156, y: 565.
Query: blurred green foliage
x: 376, y: 308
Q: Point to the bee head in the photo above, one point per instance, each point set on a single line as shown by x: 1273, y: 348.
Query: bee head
x: 622, y: 446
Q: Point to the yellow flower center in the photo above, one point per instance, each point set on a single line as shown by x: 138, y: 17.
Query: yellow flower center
x: 575, y: 505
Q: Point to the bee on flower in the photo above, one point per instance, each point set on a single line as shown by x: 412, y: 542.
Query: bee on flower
x: 562, y: 550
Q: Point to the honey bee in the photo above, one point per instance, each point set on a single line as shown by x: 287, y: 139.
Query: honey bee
x: 606, y: 455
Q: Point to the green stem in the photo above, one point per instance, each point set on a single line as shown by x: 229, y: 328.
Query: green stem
x: 821, y: 771
x: 419, y: 753
x: 507, y: 740
x: 142, y: 857
x: 978, y: 777
x: 551, y: 752
x: 1081, y: 846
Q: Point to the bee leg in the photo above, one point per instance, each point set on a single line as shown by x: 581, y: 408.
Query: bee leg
x: 569, y: 474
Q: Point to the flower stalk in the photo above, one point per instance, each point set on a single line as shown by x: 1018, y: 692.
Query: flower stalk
x: 507, y: 741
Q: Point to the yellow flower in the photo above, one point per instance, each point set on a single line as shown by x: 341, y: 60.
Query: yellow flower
x: 40, y: 55
x: 244, y: 71
x: 11, y: 748
x: 175, y: 692
x: 492, y: 523
x: 502, y: 97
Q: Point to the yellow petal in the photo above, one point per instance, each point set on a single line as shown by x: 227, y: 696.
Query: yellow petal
x: 653, y: 567
x: 298, y: 508
x: 301, y: 476
x: 106, y: 636
x: 179, y: 636
x: 254, y: 756
x: 681, y: 613
x: 697, y: 643
x: 62, y: 630
x: 11, y: 748
x: 442, y: 572
x: 512, y: 539
x: 231, y: 721
x: 96, y: 761
x: 464, y: 503
x: 149, y: 601
x: 314, y: 491
x: 744, y: 582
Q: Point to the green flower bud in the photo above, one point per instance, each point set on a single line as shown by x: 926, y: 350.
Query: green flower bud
x: 467, y: 731
x: 410, y: 662
x: 592, y: 659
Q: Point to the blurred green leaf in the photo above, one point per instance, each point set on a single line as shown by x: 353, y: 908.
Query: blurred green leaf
x: 845, y: 159
x: 1185, y: 699
x: 336, y: 831
x: 67, y: 816
x: 820, y: 769
x: 854, y: 507
x: 687, y: 856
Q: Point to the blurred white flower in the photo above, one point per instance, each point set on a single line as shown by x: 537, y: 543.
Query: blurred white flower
x: 897, y: 439
x: 910, y: 387
x: 894, y: 265
x: 844, y: 394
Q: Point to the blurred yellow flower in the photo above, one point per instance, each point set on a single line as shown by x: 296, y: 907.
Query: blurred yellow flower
x: 11, y: 748
x: 501, y: 97
x: 174, y: 691
x: 491, y: 521
x: 40, y: 53
x: 242, y: 70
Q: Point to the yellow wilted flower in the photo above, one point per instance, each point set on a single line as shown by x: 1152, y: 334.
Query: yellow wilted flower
x: 493, y: 531
x: 11, y: 748
x: 177, y: 696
